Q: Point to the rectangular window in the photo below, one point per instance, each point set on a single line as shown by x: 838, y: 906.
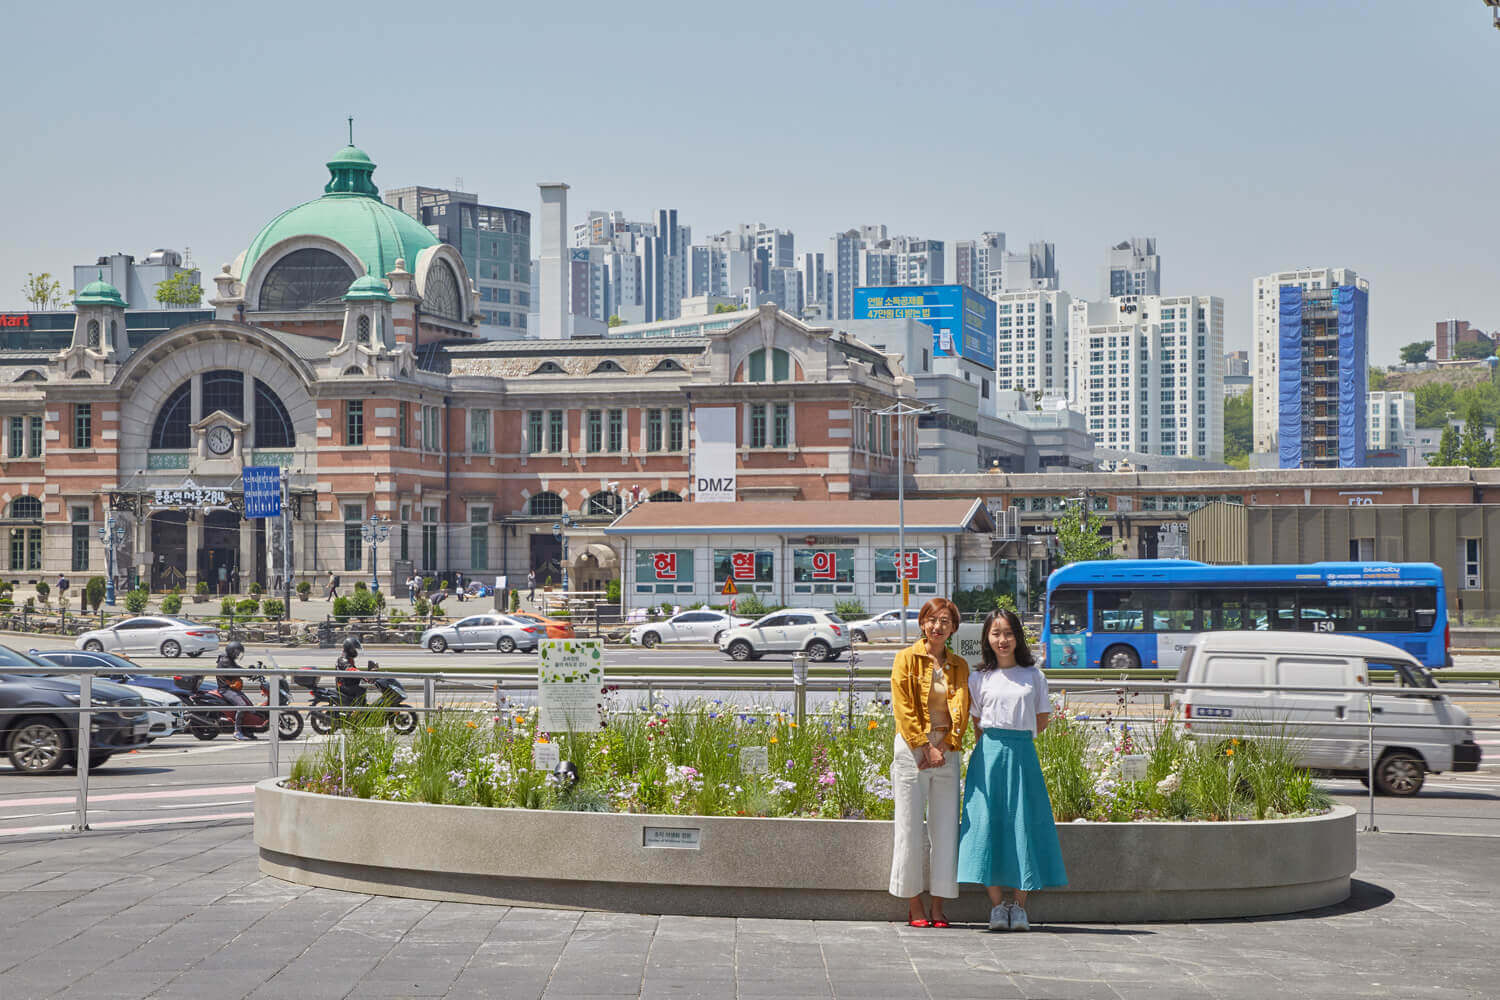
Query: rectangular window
x: 479, y: 538
x: 17, y: 437
x: 674, y: 430
x: 653, y: 430
x: 757, y: 425
x: 780, y: 366
x: 757, y: 367
x: 663, y: 571
x: 479, y: 432
x: 35, y: 445
x: 432, y: 429
x: 615, y: 439
x: 1471, y: 579
x: 25, y: 548
x: 533, y: 432
x: 354, y: 422
x: 593, y: 431
x: 80, y: 518
x: 752, y: 569
x: 401, y: 428
x: 429, y: 538
x: 405, y: 535
x: 354, y: 547
x: 555, y: 431
x: 823, y: 571
x: 781, y: 426
x: 83, y: 425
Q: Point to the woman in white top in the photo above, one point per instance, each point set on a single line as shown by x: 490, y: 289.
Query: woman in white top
x: 1007, y: 840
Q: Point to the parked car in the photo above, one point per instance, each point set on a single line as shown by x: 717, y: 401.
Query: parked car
x: 557, y: 628
x: 486, y: 631
x: 886, y: 627
x: 1276, y: 660
x: 38, y: 732
x: 822, y: 635
x: 121, y: 670
x: 152, y: 634
x: 161, y: 704
x: 697, y: 625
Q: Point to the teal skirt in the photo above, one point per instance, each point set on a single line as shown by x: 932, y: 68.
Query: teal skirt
x: 1007, y: 836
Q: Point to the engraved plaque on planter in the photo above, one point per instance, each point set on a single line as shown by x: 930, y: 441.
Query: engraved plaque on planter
x: 682, y: 838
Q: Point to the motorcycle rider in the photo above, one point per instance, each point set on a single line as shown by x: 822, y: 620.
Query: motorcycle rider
x: 231, y: 685
x: 351, y: 691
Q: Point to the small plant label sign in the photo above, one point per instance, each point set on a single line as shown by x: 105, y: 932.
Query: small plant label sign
x: 1133, y: 767
x: 545, y: 756
x: 753, y: 760
x: 570, y: 685
x: 685, y: 838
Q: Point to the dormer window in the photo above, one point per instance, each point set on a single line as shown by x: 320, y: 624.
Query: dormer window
x: 548, y: 368
x: 669, y: 366
x: 93, y: 334
x: 362, y: 331
x: 609, y: 366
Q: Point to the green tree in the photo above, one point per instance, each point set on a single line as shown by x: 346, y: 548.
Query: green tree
x: 179, y: 290
x: 724, y: 307
x: 1473, y: 352
x: 1238, y: 439
x: 1416, y: 352
x: 1474, y: 449
x: 615, y: 320
x: 1080, y: 535
x: 1435, y: 401
x: 1377, y: 379
x: 42, y: 291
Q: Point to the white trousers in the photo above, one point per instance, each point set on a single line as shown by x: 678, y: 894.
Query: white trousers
x: 926, y: 849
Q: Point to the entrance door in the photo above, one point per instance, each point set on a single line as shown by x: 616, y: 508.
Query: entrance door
x: 546, y: 559
x: 219, y: 559
x: 168, y: 550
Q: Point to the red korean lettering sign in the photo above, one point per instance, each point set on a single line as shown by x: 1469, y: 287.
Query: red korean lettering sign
x: 908, y: 565
x: 825, y: 565
x: 742, y: 565
x: 665, y: 565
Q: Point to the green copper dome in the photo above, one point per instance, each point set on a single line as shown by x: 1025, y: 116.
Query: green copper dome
x: 368, y: 287
x: 352, y: 214
x: 99, y: 293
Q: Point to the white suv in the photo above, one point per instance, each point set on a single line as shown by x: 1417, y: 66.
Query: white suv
x: 822, y: 635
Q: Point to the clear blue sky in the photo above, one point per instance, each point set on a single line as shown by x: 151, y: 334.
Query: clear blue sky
x: 1247, y: 137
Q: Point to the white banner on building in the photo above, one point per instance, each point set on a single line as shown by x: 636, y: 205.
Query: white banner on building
x: 714, y: 448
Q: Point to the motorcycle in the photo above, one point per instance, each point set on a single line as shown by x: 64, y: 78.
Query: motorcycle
x: 390, y: 694
x: 207, y: 725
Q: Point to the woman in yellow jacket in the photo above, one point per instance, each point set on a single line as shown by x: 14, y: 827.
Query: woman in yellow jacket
x: 930, y: 699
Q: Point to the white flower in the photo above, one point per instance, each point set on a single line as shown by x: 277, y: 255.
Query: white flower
x: 1169, y: 784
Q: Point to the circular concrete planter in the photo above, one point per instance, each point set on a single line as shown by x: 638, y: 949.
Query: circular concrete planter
x: 803, y: 868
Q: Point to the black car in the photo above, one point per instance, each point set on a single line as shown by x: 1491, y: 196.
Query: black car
x: 118, y: 669
x: 39, y: 734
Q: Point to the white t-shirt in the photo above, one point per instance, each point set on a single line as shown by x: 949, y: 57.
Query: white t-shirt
x: 1008, y: 697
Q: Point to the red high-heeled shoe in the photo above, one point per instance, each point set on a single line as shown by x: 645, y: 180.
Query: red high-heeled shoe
x: 917, y: 922
x: 939, y: 923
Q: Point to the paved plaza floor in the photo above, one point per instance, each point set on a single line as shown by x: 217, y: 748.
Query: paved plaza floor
x: 185, y: 913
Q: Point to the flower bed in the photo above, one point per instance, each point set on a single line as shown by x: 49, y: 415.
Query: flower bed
x: 688, y: 761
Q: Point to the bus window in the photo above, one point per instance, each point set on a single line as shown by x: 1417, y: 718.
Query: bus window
x: 1120, y: 610
x: 1324, y: 611
x: 1068, y: 612
x: 1172, y: 611
x: 1392, y: 610
x: 1222, y: 610
x: 1283, y: 610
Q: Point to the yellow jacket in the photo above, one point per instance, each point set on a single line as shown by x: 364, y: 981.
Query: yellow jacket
x: 911, y: 681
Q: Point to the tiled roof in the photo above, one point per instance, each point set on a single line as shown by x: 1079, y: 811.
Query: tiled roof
x: 945, y: 516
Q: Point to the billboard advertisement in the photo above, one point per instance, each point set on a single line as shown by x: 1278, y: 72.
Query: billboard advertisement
x: 962, y: 320
x: 714, y: 454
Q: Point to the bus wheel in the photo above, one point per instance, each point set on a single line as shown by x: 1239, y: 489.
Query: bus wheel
x: 1120, y: 658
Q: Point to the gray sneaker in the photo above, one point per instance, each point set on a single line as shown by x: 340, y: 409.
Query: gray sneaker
x: 1000, y: 917
x: 1018, y: 921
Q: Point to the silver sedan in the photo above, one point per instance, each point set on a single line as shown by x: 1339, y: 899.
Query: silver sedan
x: 487, y: 631
x: 152, y: 634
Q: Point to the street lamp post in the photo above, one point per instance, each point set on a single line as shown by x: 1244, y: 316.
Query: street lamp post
x: 111, y: 534
x: 901, y: 411
x: 557, y: 532
x: 373, y: 533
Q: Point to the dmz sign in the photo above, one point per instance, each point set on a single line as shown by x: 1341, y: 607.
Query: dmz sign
x: 262, y: 491
x: 962, y: 320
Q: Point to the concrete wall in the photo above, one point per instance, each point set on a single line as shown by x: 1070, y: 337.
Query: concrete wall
x: 809, y: 869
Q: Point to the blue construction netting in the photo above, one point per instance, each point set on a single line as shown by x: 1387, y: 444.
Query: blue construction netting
x: 1354, y: 379
x: 1289, y: 380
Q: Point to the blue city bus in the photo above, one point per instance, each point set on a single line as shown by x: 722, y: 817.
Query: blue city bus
x: 1144, y: 612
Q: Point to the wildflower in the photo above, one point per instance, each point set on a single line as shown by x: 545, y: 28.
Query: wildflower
x: 430, y: 729
x: 874, y: 724
x: 518, y: 720
x: 827, y: 778
x: 1169, y: 784
x: 473, y: 725
x: 1229, y: 752
x: 792, y: 724
x: 774, y: 739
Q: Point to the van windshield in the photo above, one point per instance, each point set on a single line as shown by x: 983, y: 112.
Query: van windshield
x: 1407, y: 675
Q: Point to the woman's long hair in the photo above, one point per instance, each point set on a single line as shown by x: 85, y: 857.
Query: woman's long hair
x: 988, y: 659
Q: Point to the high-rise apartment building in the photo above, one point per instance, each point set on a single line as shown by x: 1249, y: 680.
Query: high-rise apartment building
x: 972, y: 260
x: 1267, y: 350
x: 496, y: 246
x: 1031, y: 341
x: 985, y: 266
x: 1147, y: 372
x: 1391, y: 422
x: 1133, y: 268
x: 817, y: 284
x: 651, y: 287
x: 843, y: 273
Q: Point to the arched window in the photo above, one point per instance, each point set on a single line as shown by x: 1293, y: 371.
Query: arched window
x: 781, y: 366
x: 80, y: 374
x: 608, y: 366
x: 224, y: 390
x: 353, y: 370
x: 666, y: 496
x: 93, y: 333
x: 443, y: 297
x: 363, y: 330
x: 603, y: 503
x: 32, y: 376
x: 545, y: 505
x: 25, y: 509
x: 174, y: 421
x: 273, y: 424
x: 669, y: 365
x: 548, y: 368
x: 305, y: 279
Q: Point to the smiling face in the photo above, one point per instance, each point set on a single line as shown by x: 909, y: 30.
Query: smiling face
x: 1002, y: 639
x: 938, y: 628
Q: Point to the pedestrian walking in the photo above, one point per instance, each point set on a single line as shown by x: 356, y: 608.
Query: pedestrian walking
x: 333, y: 585
x: 223, y: 579
x: 531, y: 585
x: 930, y: 700
x: 411, y: 588
x: 1008, y: 840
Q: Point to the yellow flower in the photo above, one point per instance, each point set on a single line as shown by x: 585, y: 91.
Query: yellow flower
x: 430, y: 729
x: 1229, y: 752
x: 518, y: 720
x: 1235, y: 742
x: 874, y: 724
x: 473, y: 725
x: 792, y: 724
x: 775, y: 740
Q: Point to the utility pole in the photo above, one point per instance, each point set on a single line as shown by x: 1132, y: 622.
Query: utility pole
x: 901, y: 410
x: 286, y: 542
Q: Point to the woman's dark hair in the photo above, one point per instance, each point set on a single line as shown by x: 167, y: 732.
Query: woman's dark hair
x: 988, y: 660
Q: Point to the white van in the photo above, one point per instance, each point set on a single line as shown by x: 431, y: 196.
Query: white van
x: 1280, y: 660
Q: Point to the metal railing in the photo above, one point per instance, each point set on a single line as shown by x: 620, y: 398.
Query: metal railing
x: 499, y: 689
